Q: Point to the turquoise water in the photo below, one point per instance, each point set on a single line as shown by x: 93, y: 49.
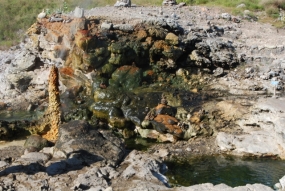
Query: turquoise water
x: 232, y: 171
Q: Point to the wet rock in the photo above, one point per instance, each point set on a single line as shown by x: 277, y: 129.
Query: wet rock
x: 153, y: 134
x: 80, y: 137
x: 128, y: 77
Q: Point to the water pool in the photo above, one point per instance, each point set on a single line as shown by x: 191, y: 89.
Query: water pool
x: 229, y: 170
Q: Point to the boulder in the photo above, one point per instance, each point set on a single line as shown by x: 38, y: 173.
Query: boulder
x: 128, y: 77
x: 123, y: 3
x: 172, y: 39
x: 36, y: 157
x: 142, y: 171
x: 21, y: 81
x: 218, y: 72
x: 35, y: 142
x: 81, y: 138
x: 78, y: 12
x: 226, y: 16
x: 169, y: 2
x: 106, y: 26
x: 124, y: 27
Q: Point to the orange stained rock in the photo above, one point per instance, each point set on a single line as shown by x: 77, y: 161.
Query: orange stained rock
x: 196, y: 118
x: 170, y: 123
x: 160, y: 44
x: 141, y: 34
x: 67, y: 71
x: 131, y: 69
x: 52, y: 114
x: 159, y: 106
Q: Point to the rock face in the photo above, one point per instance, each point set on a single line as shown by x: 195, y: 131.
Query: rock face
x: 79, y: 139
x: 261, y: 133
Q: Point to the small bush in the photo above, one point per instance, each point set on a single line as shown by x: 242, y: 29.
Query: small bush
x: 272, y: 11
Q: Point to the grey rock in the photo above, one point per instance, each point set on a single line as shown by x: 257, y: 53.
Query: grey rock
x: 169, y: 2
x: 91, y: 179
x: 226, y: 16
x: 36, y: 141
x: 3, y: 164
x: 123, y: 3
x: 78, y: 12
x: 246, y: 12
x: 24, y: 61
x: 143, y: 167
x: 124, y: 27
x: 20, y: 81
x: 211, y: 187
x: 282, y: 182
x: 218, y: 72
x: 55, y: 19
x: 79, y: 137
x: 249, y: 70
x: 56, y: 167
x: 36, y: 156
x: 106, y: 26
x: 181, y: 4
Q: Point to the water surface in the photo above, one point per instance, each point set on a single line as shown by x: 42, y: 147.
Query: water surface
x: 232, y: 171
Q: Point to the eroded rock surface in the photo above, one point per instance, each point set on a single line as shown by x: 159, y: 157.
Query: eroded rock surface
x: 213, y: 71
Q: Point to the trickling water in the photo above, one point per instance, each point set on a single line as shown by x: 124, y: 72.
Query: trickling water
x: 232, y: 171
x: 20, y: 115
x: 138, y: 143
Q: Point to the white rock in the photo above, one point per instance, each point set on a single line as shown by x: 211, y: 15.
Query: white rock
x: 226, y: 16
x: 37, y: 156
x: 3, y: 164
x: 241, y: 6
x: 109, y: 189
x: 78, y: 12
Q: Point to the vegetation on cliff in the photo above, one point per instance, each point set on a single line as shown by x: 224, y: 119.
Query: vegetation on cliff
x: 17, y: 15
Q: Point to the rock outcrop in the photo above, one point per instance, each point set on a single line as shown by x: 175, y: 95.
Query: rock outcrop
x: 151, y: 72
